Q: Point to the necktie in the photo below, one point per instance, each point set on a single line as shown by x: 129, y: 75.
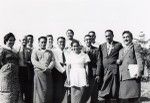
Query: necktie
x: 63, y: 58
x: 24, y: 58
x: 108, y: 49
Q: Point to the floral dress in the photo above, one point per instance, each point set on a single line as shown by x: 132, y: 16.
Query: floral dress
x: 9, y: 83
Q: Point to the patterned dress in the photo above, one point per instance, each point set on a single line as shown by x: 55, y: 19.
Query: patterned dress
x: 9, y: 83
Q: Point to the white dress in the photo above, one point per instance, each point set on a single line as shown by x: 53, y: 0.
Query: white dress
x: 78, y: 76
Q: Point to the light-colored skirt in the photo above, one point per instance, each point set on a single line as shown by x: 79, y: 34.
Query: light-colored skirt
x: 42, y: 87
x: 77, y: 94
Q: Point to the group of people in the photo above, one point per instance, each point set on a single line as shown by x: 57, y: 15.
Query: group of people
x: 70, y: 72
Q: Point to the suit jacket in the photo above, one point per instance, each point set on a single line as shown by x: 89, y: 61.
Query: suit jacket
x: 132, y: 56
x: 108, y: 62
x: 27, y: 56
x: 93, y: 54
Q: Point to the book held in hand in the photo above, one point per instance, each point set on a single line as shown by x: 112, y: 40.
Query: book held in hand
x: 133, y: 70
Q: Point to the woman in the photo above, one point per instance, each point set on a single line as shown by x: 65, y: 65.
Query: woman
x: 130, y: 87
x: 43, y: 62
x: 77, y: 63
x: 9, y: 83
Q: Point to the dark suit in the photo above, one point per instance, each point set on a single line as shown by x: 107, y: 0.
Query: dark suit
x: 26, y: 75
x: 91, y: 91
x: 130, y: 88
x: 108, y: 70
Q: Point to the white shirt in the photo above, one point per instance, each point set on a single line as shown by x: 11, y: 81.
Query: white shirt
x: 109, y: 47
x: 58, y: 59
x: 68, y: 43
x: 30, y: 47
x: 51, y: 47
x: 96, y: 44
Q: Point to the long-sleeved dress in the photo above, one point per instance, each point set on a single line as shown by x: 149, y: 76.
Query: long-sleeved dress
x: 42, y: 79
x: 9, y: 81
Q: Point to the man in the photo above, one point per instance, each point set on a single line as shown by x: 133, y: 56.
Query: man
x: 91, y: 91
x: 50, y: 41
x: 25, y: 77
x: 59, y: 75
x: 43, y: 61
x: 70, y: 35
x: 30, y: 41
x: 106, y: 66
x: 93, y: 36
x: 29, y: 46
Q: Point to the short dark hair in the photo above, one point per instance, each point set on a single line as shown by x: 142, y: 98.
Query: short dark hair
x: 75, y: 41
x: 87, y: 36
x: 7, y: 36
x: 61, y: 37
x: 92, y: 32
x: 110, y: 31
x: 128, y: 32
x: 50, y: 35
x: 42, y: 37
x: 30, y: 35
x: 70, y: 31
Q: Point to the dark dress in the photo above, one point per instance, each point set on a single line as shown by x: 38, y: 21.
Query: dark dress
x: 9, y: 81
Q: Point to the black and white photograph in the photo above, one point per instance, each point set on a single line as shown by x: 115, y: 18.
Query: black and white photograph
x: 74, y: 51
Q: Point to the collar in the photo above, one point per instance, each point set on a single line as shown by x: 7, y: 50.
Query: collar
x: 29, y: 47
x: 50, y: 46
x: 109, y: 43
x: 41, y: 49
x: 8, y: 48
x: 127, y: 46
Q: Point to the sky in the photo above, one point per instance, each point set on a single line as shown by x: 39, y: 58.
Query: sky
x: 42, y: 17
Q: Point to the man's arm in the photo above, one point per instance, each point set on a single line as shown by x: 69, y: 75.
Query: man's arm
x: 35, y: 62
x: 140, y: 61
x: 57, y: 64
x: 99, y: 65
x: 99, y: 62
